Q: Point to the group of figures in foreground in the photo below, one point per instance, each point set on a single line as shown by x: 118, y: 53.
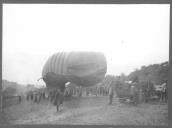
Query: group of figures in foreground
x: 133, y: 93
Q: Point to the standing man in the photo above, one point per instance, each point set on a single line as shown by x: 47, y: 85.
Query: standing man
x: 133, y: 94
x: 164, y: 92
x: 20, y: 99
x: 111, y: 94
x: 58, y: 99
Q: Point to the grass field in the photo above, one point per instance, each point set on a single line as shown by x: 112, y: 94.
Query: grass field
x: 88, y: 111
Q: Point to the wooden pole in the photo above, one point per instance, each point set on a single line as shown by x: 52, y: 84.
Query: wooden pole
x: 1, y: 109
x: 1, y: 97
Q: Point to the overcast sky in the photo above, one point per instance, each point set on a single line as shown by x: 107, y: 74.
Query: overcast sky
x: 130, y: 36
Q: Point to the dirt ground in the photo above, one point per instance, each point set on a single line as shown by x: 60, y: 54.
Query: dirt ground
x: 90, y: 110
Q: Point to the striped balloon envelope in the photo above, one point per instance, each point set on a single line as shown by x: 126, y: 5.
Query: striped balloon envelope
x: 81, y: 68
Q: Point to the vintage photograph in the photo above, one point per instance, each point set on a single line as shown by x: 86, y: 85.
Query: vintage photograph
x: 85, y: 64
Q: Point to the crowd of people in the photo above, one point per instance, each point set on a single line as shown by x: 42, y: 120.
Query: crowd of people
x: 35, y: 96
x: 144, y: 92
x: 56, y: 97
x: 138, y: 92
x: 79, y: 91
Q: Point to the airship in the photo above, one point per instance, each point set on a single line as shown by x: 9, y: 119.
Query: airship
x: 82, y: 68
